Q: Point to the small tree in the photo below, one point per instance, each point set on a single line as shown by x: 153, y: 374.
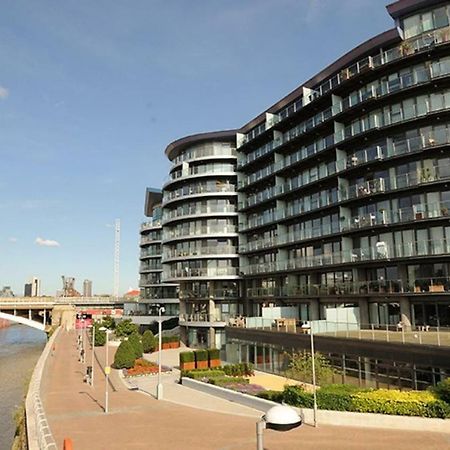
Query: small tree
x: 108, y: 322
x: 100, y: 335
x: 300, y: 368
x: 125, y: 356
x: 135, y: 341
x: 148, y: 342
x: 125, y: 328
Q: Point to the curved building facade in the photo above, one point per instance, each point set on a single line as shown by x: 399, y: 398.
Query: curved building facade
x: 200, y: 234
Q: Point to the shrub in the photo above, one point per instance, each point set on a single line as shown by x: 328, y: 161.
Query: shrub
x: 213, y: 353
x: 201, y: 355
x: 108, y: 322
x: 198, y: 374
x: 187, y: 357
x: 124, y: 357
x: 238, y: 370
x: 125, y: 328
x: 227, y: 381
x: 170, y: 339
x: 274, y: 396
x: 297, y: 396
x: 442, y: 390
x: 401, y: 403
x: 100, y: 335
x: 336, y: 397
x: 148, y: 342
x: 135, y: 341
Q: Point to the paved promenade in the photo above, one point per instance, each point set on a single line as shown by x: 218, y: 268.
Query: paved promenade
x: 138, y: 421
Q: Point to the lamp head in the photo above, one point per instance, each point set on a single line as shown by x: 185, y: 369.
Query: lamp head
x: 282, y: 418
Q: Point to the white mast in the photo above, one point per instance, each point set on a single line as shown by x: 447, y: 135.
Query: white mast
x: 116, y: 258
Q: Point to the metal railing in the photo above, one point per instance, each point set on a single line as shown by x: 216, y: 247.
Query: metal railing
x: 399, y: 333
x: 38, y: 429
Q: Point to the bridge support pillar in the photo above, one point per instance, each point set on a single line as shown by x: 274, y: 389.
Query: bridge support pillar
x: 64, y: 315
x: 29, y: 314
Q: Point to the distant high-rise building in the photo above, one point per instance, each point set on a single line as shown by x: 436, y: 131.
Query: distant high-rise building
x: 87, y: 288
x: 27, y: 290
x: 35, y: 287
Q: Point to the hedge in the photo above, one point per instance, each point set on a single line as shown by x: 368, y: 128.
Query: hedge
x: 201, y: 355
x: 273, y: 396
x: 135, y: 341
x: 169, y: 339
x: 148, y: 342
x: 238, y: 370
x: 199, y: 374
x: 213, y: 353
x: 381, y: 401
x: 224, y: 381
x: 187, y: 357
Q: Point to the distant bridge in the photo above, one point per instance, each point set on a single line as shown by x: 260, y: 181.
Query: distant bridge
x: 36, y: 312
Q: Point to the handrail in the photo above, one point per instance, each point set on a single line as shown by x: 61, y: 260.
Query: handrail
x: 39, y: 434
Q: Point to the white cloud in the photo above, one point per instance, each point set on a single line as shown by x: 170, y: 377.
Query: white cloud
x: 46, y: 242
x: 3, y: 93
x: 12, y: 239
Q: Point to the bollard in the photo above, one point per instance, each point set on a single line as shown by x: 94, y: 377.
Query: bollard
x: 67, y: 444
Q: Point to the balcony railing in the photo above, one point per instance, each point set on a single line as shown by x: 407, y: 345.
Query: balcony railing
x: 381, y: 251
x: 188, y: 272
x: 150, y: 239
x: 196, y: 210
x: 202, y: 231
x: 370, y: 287
x: 203, y: 317
x: 196, y: 190
x: 200, y: 251
x: 186, y: 294
x: 202, y: 153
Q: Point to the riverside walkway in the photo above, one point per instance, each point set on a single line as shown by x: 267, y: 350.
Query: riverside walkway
x: 138, y: 421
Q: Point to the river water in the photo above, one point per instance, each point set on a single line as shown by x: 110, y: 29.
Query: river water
x: 20, y: 347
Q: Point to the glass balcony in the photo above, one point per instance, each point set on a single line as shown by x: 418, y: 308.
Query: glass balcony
x: 194, y: 211
x: 186, y: 294
x: 200, y: 231
x: 207, y: 169
x: 198, y: 189
x: 204, y: 152
x: 382, y: 287
x: 381, y: 251
x: 150, y: 239
x: 189, y: 272
x: 201, y: 251
x: 417, y: 44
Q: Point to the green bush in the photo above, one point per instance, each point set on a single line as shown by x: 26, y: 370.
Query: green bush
x: 187, y: 357
x: 238, y: 370
x: 274, y: 396
x: 100, y: 335
x: 442, y: 390
x: 201, y: 355
x: 125, y: 328
x: 135, y: 341
x: 170, y: 339
x: 148, y: 342
x: 108, y: 322
x: 198, y: 374
x: 124, y: 357
x: 400, y: 403
x: 297, y: 396
x: 336, y: 397
x: 224, y: 381
x: 213, y: 353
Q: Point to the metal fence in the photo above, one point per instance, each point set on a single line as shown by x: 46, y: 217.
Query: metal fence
x: 38, y: 430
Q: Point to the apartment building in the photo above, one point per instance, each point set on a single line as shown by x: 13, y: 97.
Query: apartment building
x: 200, y: 234
x: 338, y: 195
x: 154, y: 292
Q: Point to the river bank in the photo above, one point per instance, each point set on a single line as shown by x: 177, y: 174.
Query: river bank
x: 20, y: 348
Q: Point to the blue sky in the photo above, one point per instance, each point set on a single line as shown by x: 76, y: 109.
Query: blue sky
x: 91, y: 93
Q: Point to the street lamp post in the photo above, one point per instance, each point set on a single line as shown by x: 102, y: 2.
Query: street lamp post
x: 107, y: 368
x: 92, y: 354
x: 159, y: 388
x: 313, y: 373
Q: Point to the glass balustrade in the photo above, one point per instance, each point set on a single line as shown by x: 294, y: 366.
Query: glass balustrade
x: 381, y: 251
x: 216, y: 209
x: 198, y: 153
x: 200, y: 251
x: 202, y: 231
x: 383, y: 287
x: 217, y: 187
x: 204, y: 272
